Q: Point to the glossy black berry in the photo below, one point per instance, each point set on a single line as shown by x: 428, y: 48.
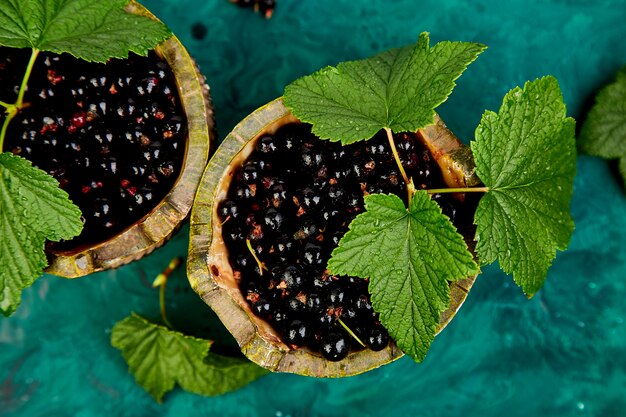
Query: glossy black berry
x: 267, y: 147
x: 280, y: 320
x: 335, y: 346
x: 250, y: 173
x: 284, y: 247
x: 294, y: 199
x: 234, y: 233
x: 244, y: 193
x: 336, y: 296
x: 262, y: 307
x: 266, y: 6
x: 363, y: 304
x: 273, y: 220
x: 100, y: 130
x: 296, y: 304
x: 377, y: 338
x: 313, y: 256
x: 314, y: 303
x: 278, y: 194
x: 244, y: 3
x: 309, y: 199
x: 312, y: 158
x: 228, y: 211
x: 298, y: 333
x: 246, y: 264
x: 290, y: 277
x: 290, y: 137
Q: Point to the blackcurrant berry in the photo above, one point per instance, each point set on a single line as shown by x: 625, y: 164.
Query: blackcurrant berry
x: 273, y: 220
x: 335, y: 346
x: 298, y: 333
x: 267, y: 146
x: 377, y: 338
x: 312, y: 256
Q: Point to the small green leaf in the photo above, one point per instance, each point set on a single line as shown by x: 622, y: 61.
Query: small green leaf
x: 604, y: 131
x: 409, y: 257
x: 526, y: 156
x: 33, y: 209
x: 398, y: 89
x: 88, y: 29
x: 159, y: 358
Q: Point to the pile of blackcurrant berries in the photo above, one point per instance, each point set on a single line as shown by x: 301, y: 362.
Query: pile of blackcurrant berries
x: 265, y: 7
x: 114, y: 135
x: 287, y: 208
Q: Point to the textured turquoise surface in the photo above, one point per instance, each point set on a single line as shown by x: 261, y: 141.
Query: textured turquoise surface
x: 563, y: 353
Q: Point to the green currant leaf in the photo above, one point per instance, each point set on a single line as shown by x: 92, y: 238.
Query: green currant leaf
x: 409, y: 257
x: 604, y: 131
x: 398, y: 89
x: 159, y: 358
x: 526, y: 156
x: 88, y: 29
x: 33, y: 209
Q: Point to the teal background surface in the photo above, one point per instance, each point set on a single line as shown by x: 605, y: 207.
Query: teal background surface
x: 563, y: 353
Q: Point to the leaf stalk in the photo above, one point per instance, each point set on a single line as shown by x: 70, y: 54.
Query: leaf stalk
x: 13, y: 109
x: 458, y: 190
x: 29, y: 70
x: 5, y: 126
x: 410, y: 187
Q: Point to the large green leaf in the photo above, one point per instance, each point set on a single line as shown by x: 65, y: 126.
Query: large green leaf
x: 409, y: 257
x: 159, y: 358
x: 398, y: 89
x: 526, y: 156
x: 32, y: 209
x: 88, y: 29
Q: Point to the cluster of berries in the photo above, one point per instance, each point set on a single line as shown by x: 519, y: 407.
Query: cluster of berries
x: 113, y: 135
x: 286, y: 210
x: 265, y: 7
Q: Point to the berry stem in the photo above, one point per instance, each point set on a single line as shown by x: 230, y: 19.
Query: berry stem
x: 13, y: 109
x: 345, y: 326
x: 262, y: 266
x: 6, y: 105
x: 410, y: 187
x: 162, y: 304
x: 161, y: 282
x: 5, y: 126
x: 458, y: 190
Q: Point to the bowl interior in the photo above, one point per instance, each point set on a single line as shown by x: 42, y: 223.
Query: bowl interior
x: 162, y: 221
x: 211, y: 275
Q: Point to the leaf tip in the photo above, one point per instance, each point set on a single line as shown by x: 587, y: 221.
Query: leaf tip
x: 530, y: 292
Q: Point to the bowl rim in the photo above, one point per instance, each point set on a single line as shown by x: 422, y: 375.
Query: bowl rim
x: 158, y: 225
x: 204, y: 276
